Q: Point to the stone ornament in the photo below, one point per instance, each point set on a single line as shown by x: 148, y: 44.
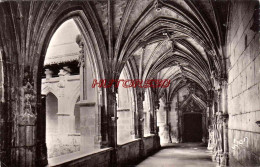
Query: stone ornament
x: 28, y: 94
x: 79, y: 41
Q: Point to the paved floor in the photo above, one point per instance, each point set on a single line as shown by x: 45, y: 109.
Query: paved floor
x: 180, y: 155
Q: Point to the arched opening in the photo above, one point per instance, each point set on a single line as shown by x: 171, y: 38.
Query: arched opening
x: 125, y: 122
x: 61, y: 75
x: 92, y: 101
x: 70, y: 67
x: 52, y: 140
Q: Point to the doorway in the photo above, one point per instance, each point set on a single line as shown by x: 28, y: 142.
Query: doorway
x: 192, y: 128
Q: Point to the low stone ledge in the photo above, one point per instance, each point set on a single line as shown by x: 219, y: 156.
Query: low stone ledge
x: 79, y: 158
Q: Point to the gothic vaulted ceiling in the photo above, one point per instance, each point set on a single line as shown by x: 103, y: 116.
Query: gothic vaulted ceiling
x: 175, y: 39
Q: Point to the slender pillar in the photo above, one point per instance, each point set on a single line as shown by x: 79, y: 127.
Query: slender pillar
x: 178, y: 118
x: 152, y: 115
x: 140, y: 99
x: 82, y: 64
x: 156, y: 108
x: 152, y: 121
x: 168, y: 126
x: 41, y: 149
x: 204, y: 128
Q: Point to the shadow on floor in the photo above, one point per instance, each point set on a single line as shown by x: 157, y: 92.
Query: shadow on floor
x: 179, y: 155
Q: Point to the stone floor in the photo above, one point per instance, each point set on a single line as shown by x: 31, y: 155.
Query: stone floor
x: 180, y: 155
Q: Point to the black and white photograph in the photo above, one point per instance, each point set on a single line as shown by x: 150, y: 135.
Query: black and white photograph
x: 129, y: 83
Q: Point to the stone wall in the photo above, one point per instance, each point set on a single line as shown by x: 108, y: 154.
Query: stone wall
x: 129, y: 153
x: 61, y: 144
x: 133, y: 152
x: 151, y: 144
x: 243, y: 62
x: 100, y: 158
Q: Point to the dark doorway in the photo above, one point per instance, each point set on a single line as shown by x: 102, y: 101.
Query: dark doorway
x: 192, y: 128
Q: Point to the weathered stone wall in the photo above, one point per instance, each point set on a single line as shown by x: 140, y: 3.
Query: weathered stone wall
x: 243, y: 64
x: 132, y: 152
x: 129, y: 153
x: 151, y: 144
x: 100, y: 158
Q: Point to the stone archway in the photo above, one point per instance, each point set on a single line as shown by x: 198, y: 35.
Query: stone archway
x: 193, y: 119
x: 94, y: 65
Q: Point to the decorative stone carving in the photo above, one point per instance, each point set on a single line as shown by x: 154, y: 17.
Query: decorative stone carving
x: 63, y: 72
x: 211, y: 138
x: 216, y: 137
x: 28, y: 94
x: 81, y: 59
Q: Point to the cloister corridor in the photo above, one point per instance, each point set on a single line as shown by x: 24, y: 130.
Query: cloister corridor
x: 114, y: 83
x: 180, y: 155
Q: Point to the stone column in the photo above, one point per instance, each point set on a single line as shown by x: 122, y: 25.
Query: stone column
x: 178, y: 118
x: 180, y: 125
x: 41, y: 148
x: 167, y: 109
x: 112, y: 116
x: 156, y: 108
x: 204, y: 127
x: 140, y: 108
x: 24, y: 152
x: 140, y: 117
x: 112, y: 122
x: 207, y: 119
x: 152, y: 111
